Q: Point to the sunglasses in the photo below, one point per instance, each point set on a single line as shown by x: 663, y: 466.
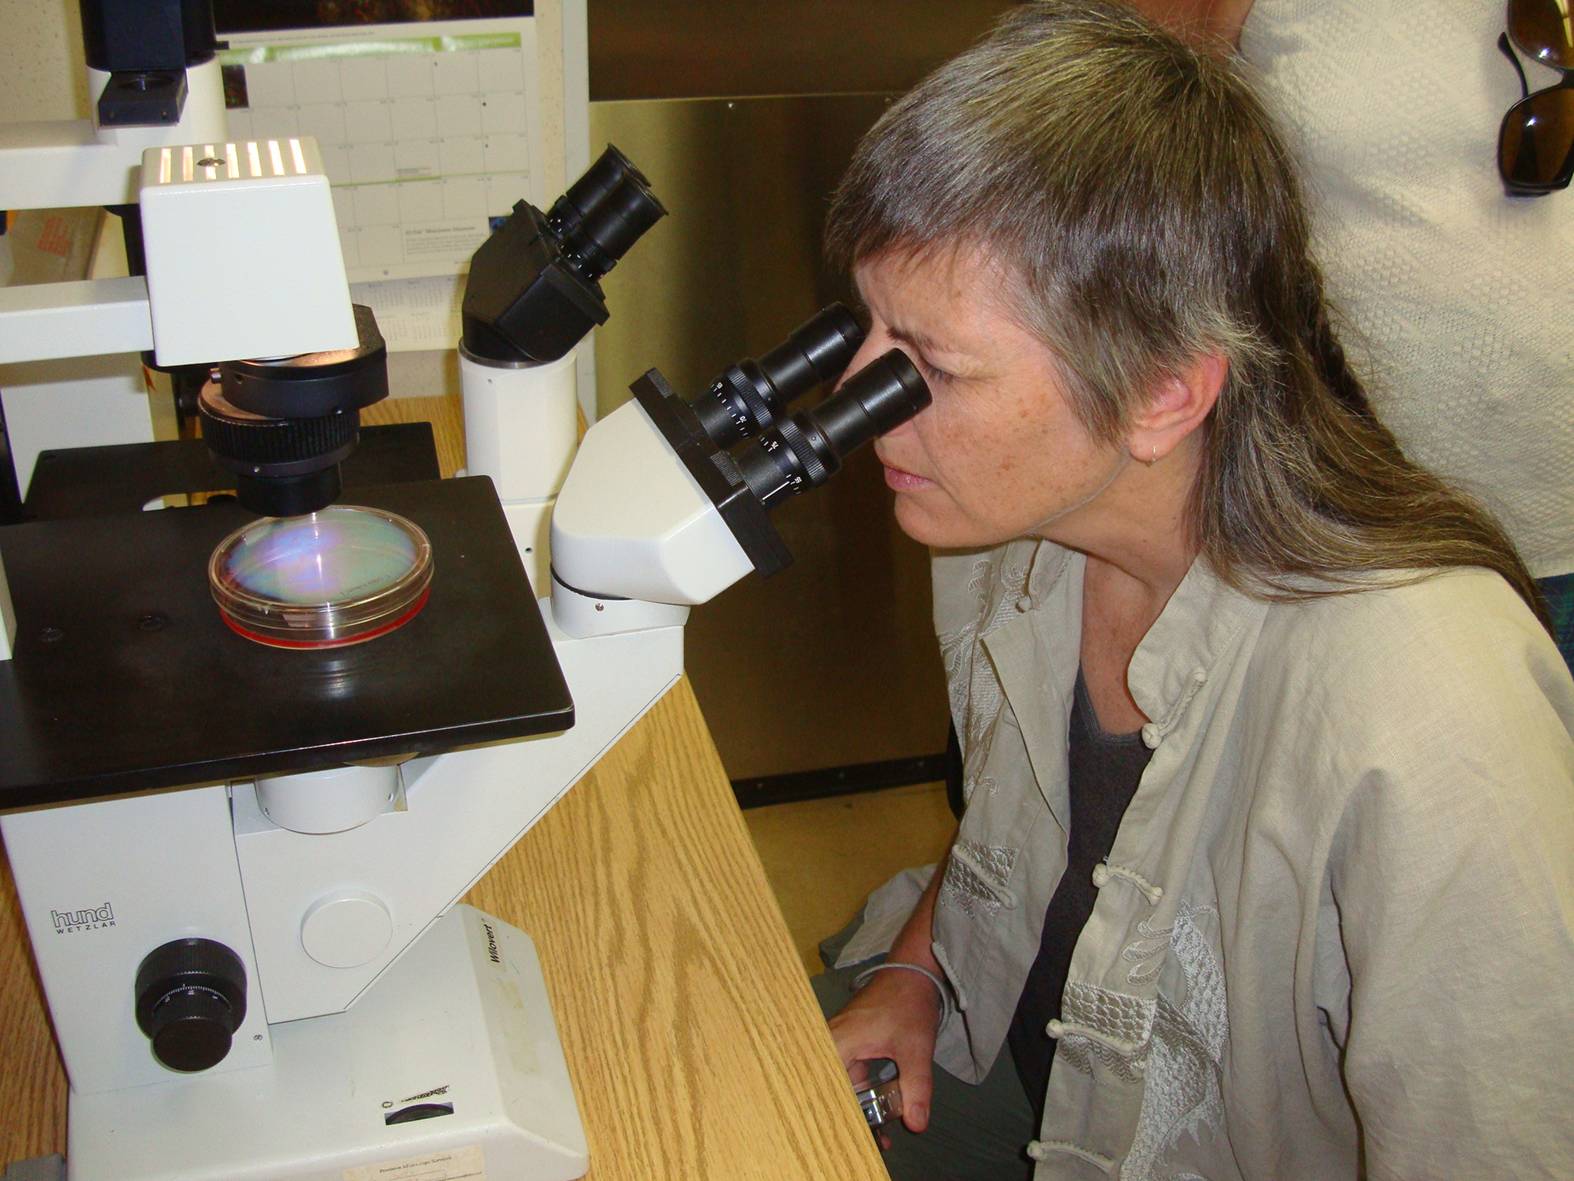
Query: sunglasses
x: 1535, y: 145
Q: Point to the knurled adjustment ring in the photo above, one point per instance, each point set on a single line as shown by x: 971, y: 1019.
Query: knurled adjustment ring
x: 813, y: 470
x: 758, y: 408
x: 250, y: 438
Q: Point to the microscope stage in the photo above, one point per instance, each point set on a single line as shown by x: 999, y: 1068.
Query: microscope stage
x: 125, y: 678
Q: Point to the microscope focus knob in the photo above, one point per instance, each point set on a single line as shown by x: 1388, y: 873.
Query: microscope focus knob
x: 191, y: 998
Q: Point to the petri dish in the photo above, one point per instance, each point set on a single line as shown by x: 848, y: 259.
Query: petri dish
x: 343, y: 575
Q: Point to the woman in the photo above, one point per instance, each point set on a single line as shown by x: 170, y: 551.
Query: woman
x: 1265, y: 865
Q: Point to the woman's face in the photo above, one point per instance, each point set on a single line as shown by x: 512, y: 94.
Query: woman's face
x: 998, y: 454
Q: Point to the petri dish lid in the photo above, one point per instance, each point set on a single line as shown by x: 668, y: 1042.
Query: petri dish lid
x: 343, y: 575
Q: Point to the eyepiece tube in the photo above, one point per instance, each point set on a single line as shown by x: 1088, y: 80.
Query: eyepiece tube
x: 603, y: 213
x: 882, y: 396
x: 807, y: 449
x: 609, y: 171
x: 751, y: 396
x: 817, y: 351
x: 617, y: 223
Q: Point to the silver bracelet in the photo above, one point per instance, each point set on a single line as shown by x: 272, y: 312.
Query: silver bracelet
x: 947, y: 1007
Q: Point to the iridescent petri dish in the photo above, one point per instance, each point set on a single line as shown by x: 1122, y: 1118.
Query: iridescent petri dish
x: 344, y: 575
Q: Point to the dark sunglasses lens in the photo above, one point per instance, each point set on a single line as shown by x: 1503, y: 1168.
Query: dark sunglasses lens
x: 1536, y: 146
x: 1544, y: 29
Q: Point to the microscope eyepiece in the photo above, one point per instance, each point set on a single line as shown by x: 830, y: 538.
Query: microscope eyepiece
x: 817, y: 351
x: 604, y: 213
x: 805, y: 450
x: 532, y: 293
x: 792, y: 454
x: 752, y: 396
x: 611, y: 169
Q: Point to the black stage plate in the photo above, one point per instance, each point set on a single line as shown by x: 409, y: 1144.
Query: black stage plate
x: 76, y: 481
x: 125, y: 678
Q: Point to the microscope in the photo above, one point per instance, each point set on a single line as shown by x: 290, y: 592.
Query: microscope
x: 240, y: 826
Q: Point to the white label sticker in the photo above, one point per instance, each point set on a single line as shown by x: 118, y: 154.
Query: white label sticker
x: 458, y: 1164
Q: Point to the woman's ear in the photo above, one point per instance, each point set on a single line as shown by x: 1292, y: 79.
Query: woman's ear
x: 1179, y: 402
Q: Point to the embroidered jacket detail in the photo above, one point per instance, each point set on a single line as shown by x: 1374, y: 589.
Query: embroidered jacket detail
x: 1114, y: 1017
x: 1040, y: 1150
x: 993, y: 861
x: 1182, y: 1095
x: 1080, y: 1052
x: 1111, y: 1028
x: 985, y: 783
x: 976, y: 876
x: 1146, y: 952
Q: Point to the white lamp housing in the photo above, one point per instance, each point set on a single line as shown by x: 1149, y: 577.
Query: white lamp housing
x: 242, y: 249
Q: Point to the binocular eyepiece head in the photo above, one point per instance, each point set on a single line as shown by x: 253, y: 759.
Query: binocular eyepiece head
x: 603, y: 213
x: 780, y: 455
x: 805, y: 450
x: 532, y: 292
x: 752, y: 395
x: 787, y: 454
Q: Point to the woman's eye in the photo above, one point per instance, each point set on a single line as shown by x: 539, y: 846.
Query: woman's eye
x: 933, y: 373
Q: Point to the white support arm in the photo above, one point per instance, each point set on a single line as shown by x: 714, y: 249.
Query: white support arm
x: 84, y: 318
x: 74, y: 163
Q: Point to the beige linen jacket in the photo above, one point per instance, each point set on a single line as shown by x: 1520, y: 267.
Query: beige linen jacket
x: 1333, y: 936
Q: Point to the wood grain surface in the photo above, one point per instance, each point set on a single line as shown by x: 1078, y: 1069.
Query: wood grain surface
x: 696, y: 1047
x: 694, y: 1042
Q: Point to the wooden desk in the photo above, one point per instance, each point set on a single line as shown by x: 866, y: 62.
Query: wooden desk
x: 696, y: 1048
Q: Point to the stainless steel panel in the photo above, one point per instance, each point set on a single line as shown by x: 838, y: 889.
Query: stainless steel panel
x: 723, y: 48
x: 831, y: 662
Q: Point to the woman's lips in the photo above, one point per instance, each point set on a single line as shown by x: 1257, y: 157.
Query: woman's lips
x: 902, y: 481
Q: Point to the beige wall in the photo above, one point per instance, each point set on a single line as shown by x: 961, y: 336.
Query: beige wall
x: 41, y: 70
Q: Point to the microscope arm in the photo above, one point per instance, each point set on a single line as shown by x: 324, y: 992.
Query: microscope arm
x: 87, y: 317
x: 61, y: 165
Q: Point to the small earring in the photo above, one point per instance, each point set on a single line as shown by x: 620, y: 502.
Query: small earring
x: 1153, y: 459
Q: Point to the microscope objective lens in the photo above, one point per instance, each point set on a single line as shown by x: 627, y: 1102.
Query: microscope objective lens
x: 339, y: 576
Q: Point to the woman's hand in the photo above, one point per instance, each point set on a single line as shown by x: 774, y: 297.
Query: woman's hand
x: 896, y: 1015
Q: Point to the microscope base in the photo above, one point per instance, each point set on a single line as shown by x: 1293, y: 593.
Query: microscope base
x: 448, y: 1068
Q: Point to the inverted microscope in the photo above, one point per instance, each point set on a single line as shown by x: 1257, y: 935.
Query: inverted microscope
x: 256, y: 750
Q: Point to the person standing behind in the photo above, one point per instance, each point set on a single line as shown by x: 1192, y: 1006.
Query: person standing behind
x: 1456, y: 296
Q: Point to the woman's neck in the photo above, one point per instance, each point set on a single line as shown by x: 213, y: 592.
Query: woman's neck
x: 1139, y: 546
x: 1138, y: 533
